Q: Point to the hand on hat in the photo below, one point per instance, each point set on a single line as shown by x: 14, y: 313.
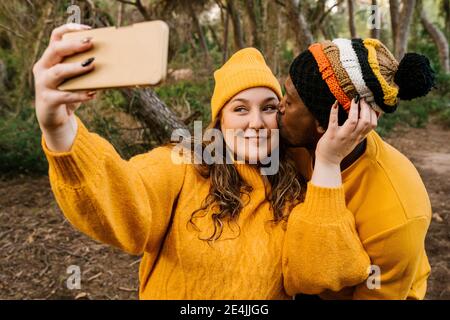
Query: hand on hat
x: 338, y: 141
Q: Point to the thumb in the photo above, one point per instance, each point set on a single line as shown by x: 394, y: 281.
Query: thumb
x: 71, y: 107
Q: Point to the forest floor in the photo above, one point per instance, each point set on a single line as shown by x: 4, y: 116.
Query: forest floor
x: 37, y: 245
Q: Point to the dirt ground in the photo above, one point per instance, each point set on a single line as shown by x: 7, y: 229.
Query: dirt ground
x: 37, y: 244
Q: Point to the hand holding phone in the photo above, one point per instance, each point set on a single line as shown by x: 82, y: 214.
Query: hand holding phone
x: 68, y: 56
x: 129, y: 56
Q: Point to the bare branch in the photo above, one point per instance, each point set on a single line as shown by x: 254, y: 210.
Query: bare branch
x: 128, y: 2
x: 138, y: 4
x: 326, y: 13
x: 12, y: 31
x: 280, y: 3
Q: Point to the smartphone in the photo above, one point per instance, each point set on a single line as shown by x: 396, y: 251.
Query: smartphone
x: 129, y: 56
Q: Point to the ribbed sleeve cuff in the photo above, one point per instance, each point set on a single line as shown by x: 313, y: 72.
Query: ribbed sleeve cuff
x: 324, y: 205
x: 73, y: 167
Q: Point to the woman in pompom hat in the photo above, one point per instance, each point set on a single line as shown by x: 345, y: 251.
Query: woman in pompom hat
x: 383, y: 189
x: 208, y: 230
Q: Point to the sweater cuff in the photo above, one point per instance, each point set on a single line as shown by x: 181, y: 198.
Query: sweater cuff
x: 324, y: 205
x: 73, y: 166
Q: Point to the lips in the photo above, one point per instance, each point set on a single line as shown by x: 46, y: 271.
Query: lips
x: 256, y: 138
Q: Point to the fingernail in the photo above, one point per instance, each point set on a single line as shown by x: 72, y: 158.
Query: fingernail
x: 87, y: 62
x: 335, y: 105
x: 357, y: 98
x: 90, y: 93
x: 86, y: 40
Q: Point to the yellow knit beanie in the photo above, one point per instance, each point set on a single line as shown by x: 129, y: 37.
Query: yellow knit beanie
x: 245, y: 69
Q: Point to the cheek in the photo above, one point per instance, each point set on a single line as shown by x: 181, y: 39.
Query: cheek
x: 289, y: 120
x: 232, y: 121
x: 270, y: 120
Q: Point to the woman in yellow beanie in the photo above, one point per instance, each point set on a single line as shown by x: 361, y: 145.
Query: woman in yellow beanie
x: 206, y: 231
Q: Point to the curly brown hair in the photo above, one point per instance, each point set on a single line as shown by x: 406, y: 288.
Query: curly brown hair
x: 227, y: 190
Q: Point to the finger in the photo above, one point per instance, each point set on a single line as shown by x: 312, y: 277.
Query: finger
x: 363, y: 126
x: 333, y: 121
x: 62, y: 71
x: 58, y: 32
x: 350, y: 124
x: 57, y: 51
x: 55, y: 98
x: 373, y: 119
x: 72, y: 107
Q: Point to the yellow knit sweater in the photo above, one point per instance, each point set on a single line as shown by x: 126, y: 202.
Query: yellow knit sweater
x: 392, y: 213
x: 142, y: 206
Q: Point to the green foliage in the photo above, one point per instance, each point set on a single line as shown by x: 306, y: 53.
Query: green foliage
x: 435, y: 105
x: 187, y: 97
x: 101, y: 117
x: 9, y: 97
x: 443, y: 84
x: 20, y: 145
x: 416, y: 113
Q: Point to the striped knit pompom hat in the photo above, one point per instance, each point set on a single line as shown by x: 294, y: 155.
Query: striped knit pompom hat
x: 342, y: 68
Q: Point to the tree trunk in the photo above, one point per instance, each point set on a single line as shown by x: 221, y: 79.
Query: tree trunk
x: 142, y: 10
x: 375, y: 31
x: 446, y: 15
x: 237, y: 28
x: 439, y: 39
x: 3, y: 76
x: 299, y: 26
x: 351, y: 18
x: 120, y: 11
x: 406, y: 15
x: 272, y: 36
x: 250, y: 8
x: 225, y: 36
x: 394, y: 8
x: 200, y: 32
x: 147, y: 108
x: 215, y: 37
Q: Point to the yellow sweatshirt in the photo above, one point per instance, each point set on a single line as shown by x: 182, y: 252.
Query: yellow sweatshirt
x: 392, y: 213
x: 143, y: 205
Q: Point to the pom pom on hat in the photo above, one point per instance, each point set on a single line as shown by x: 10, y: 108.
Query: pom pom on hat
x: 414, y: 76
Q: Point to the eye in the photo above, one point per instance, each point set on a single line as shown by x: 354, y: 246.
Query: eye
x: 270, y: 108
x: 240, y: 109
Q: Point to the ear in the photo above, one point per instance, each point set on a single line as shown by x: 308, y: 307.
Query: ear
x: 319, y: 128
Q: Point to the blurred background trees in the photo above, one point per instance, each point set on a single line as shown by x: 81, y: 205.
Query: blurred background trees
x: 203, y: 34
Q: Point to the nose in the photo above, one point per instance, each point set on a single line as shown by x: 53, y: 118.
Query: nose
x: 256, y: 120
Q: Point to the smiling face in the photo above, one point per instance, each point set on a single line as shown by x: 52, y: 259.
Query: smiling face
x: 297, y: 125
x: 247, y: 122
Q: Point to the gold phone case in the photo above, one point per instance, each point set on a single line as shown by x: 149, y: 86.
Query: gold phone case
x: 129, y: 56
